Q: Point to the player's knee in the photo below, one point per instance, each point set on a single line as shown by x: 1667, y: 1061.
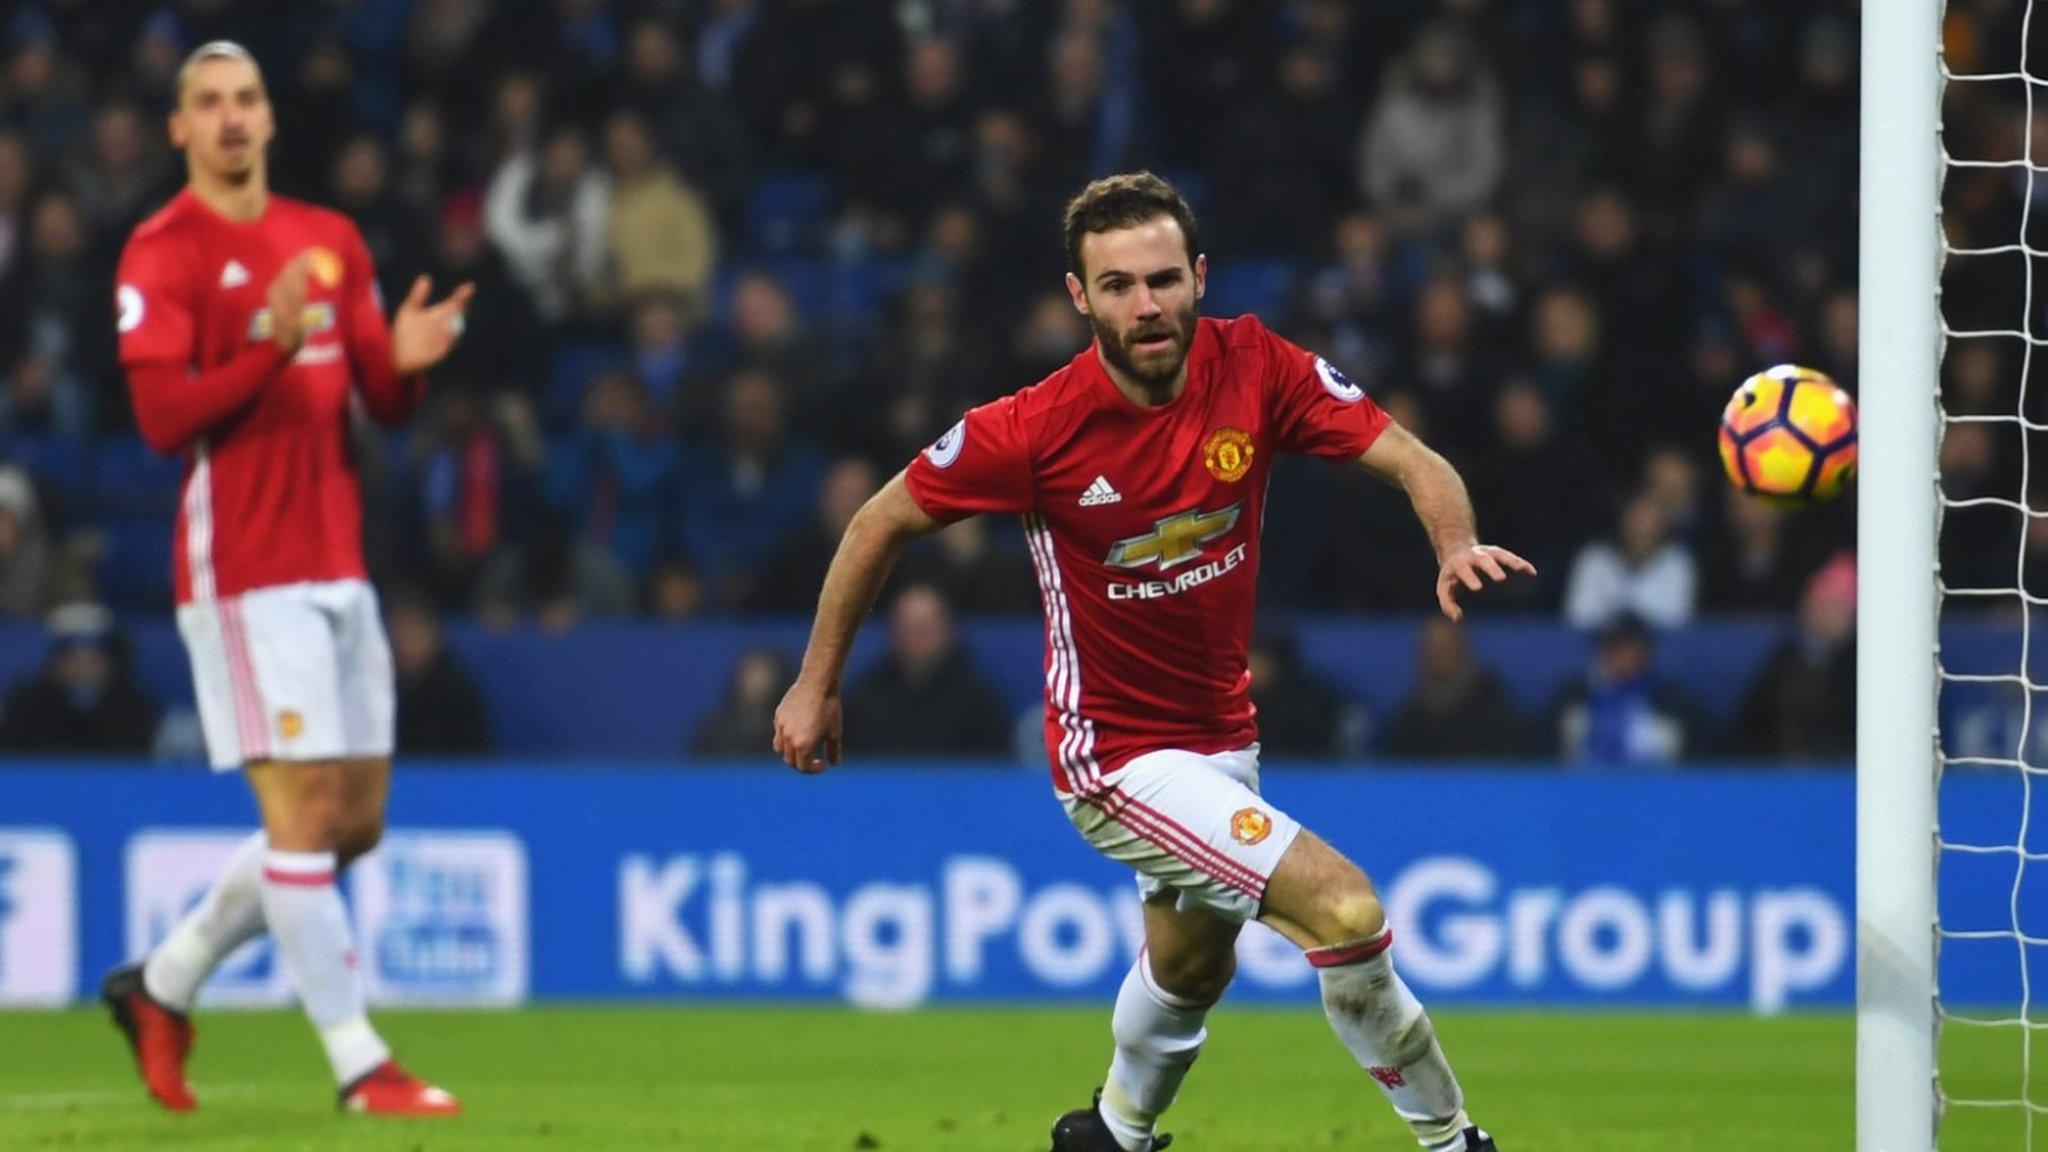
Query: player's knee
x: 1351, y: 912
x: 1198, y: 975
x: 359, y: 838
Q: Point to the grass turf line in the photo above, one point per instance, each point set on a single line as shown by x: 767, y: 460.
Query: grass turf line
x: 566, y: 1079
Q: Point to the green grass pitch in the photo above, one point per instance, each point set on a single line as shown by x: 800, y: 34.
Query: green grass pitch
x: 567, y: 1079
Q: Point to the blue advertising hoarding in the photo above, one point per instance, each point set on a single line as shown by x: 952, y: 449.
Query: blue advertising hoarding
x: 899, y: 886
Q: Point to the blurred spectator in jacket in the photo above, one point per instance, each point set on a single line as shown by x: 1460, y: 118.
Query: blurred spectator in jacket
x: 1434, y: 147
x: 1758, y: 560
x: 440, y: 710
x: 974, y: 569
x: 477, y: 460
x: 744, y: 724
x: 1536, y: 519
x: 546, y: 214
x: 1300, y: 713
x: 63, y: 340
x: 615, y: 476
x: 85, y: 698
x: 795, y: 571
x: 504, y: 344
x: 661, y: 232
x: 120, y: 172
x: 1802, y: 705
x: 1639, y: 571
x: 925, y: 697
x: 747, y: 491
x: 24, y: 547
x: 1458, y: 710
x: 1620, y: 712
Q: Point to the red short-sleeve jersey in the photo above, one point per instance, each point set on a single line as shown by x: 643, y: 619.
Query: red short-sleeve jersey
x: 1143, y: 524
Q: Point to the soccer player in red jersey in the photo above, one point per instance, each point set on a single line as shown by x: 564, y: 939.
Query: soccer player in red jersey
x: 1140, y: 470
x: 249, y: 325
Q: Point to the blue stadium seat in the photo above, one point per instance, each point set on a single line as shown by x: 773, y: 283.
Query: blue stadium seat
x: 809, y: 282
x: 129, y: 479
x: 863, y: 288
x: 1262, y: 285
x: 575, y: 363
x: 789, y: 211
x: 56, y: 463
x: 135, y: 572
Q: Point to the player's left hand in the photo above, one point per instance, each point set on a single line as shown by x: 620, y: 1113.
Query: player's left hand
x: 423, y: 334
x: 1464, y: 568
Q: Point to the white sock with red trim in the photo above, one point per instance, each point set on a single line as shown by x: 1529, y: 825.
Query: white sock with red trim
x: 1384, y: 1026
x: 311, y: 928
x: 1158, y: 1036
x: 228, y: 916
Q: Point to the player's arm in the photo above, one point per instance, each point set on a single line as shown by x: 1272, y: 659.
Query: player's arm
x: 159, y: 339
x: 808, y: 722
x: 1445, y: 509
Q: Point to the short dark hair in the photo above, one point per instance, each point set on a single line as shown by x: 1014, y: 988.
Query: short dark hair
x: 1126, y: 200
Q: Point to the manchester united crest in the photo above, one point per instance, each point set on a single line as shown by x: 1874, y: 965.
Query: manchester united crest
x: 326, y: 267
x: 1227, y: 453
x: 1249, y: 826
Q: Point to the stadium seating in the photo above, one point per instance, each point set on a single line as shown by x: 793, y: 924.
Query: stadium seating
x: 622, y: 689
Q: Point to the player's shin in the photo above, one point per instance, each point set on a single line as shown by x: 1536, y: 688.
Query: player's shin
x: 1384, y: 1026
x: 310, y: 925
x: 230, y: 915
x: 1158, y: 1036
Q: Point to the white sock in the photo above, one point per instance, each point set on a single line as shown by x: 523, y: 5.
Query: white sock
x: 311, y: 928
x: 230, y: 915
x: 1384, y: 1026
x: 1158, y: 1036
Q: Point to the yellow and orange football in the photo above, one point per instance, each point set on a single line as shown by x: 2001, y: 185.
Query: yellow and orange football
x: 1788, y: 435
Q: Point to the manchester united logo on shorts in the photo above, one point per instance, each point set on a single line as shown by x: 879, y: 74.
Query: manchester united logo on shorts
x: 290, y: 724
x: 1227, y: 453
x: 1249, y: 826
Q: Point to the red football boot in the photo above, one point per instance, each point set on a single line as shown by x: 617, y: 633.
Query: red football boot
x: 160, y: 1037
x: 388, y: 1090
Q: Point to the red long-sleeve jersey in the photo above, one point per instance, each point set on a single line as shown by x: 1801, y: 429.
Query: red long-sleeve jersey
x: 1144, y: 527
x: 270, y: 494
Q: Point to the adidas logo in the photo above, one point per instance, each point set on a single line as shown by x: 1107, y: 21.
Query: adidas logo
x: 234, y: 275
x: 1100, y: 493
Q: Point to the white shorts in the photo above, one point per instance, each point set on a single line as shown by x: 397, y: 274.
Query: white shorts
x: 294, y: 672
x: 1193, y: 823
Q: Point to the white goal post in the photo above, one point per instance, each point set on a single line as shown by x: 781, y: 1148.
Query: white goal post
x: 1896, y: 775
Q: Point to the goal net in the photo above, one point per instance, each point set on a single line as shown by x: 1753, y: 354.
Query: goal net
x: 1989, y: 855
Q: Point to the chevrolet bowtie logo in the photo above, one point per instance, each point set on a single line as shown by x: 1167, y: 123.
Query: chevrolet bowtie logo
x: 1174, y: 540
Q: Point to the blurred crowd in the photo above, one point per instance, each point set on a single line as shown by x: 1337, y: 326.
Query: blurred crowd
x: 738, y: 259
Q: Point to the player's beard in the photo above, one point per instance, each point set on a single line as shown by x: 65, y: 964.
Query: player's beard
x: 1121, y: 350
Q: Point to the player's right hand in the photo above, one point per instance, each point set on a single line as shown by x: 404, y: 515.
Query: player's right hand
x: 287, y: 299
x: 807, y: 727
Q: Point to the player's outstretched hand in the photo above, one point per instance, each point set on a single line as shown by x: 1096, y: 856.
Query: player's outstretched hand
x: 287, y: 299
x: 422, y: 334
x: 807, y: 728
x: 1464, y: 569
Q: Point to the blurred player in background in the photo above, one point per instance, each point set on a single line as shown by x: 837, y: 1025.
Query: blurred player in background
x: 249, y: 324
x: 1140, y: 470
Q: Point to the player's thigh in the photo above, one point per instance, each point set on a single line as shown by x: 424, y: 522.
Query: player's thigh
x: 231, y: 712
x: 1190, y: 822
x: 320, y: 805
x: 1192, y: 952
x: 290, y: 636
x: 1317, y: 897
x: 363, y: 672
